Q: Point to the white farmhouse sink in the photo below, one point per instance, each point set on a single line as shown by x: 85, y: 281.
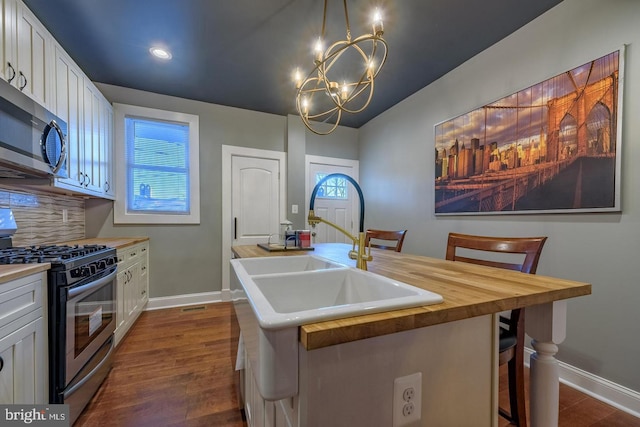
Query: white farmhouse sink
x: 294, y: 293
x: 283, y: 300
x: 285, y: 264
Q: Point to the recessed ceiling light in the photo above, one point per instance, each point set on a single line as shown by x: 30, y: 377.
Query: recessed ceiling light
x: 161, y: 53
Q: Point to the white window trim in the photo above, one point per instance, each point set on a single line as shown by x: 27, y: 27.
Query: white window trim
x: 120, y: 215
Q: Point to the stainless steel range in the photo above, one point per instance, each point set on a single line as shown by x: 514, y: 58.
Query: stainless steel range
x: 82, y: 317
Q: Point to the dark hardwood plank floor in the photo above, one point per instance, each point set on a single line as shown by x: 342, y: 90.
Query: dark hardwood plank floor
x: 174, y: 368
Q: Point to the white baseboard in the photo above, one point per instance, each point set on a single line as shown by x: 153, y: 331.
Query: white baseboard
x: 183, y: 300
x: 613, y: 394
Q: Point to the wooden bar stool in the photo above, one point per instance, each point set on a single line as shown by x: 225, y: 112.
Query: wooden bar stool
x: 389, y: 236
x: 511, y: 328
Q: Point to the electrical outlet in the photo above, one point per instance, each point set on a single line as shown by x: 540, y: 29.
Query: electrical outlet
x: 65, y: 216
x: 407, y: 400
x: 294, y: 209
x: 408, y: 409
x: 408, y: 394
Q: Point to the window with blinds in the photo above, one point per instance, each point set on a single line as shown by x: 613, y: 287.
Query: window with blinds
x: 158, y: 169
x: 157, y: 166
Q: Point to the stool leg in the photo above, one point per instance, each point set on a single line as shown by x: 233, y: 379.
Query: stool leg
x: 517, y: 403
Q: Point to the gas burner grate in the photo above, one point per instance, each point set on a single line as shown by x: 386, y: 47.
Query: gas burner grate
x: 46, y: 253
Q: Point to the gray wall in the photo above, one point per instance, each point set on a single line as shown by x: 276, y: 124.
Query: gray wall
x: 397, y: 173
x: 187, y: 259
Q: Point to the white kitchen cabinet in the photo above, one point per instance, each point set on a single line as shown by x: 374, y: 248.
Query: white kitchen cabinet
x: 27, y: 52
x: 132, y: 286
x: 337, y: 389
x: 69, y: 91
x: 107, y: 147
x: 89, y: 118
x: 130, y: 290
x: 34, y: 62
x: 23, y: 341
x: 9, y: 39
x: 263, y: 413
x: 143, y: 283
x: 98, y: 142
x: 92, y: 180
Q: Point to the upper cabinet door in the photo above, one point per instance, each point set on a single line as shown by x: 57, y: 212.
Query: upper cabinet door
x: 34, y: 57
x: 107, y: 149
x: 26, y: 52
x: 69, y: 90
x: 9, y: 40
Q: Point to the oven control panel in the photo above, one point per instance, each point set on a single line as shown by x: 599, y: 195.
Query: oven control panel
x: 93, y: 268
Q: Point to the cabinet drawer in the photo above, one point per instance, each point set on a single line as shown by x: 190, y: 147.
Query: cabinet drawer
x: 132, y: 253
x: 20, y: 297
x: 129, y: 253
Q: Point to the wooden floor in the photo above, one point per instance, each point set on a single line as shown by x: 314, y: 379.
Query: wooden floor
x: 174, y: 368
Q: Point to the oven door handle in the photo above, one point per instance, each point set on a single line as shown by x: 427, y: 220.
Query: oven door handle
x: 93, y: 285
x: 87, y: 377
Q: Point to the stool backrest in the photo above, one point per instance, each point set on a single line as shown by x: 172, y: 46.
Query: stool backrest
x: 530, y: 247
x: 390, y: 236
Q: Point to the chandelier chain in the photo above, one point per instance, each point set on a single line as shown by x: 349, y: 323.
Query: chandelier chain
x: 346, y: 18
x: 324, y: 19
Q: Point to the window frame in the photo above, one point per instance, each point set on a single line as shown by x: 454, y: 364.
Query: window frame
x: 120, y: 214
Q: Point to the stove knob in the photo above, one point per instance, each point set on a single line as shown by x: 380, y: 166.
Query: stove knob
x: 102, y: 264
x: 93, y: 268
x: 85, y: 272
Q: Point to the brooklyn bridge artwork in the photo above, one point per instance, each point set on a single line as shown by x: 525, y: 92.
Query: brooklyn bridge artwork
x: 549, y: 148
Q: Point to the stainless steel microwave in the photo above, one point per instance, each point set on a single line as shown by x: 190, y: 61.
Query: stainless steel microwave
x: 32, y: 139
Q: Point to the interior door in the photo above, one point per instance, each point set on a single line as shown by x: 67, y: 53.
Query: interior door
x: 337, y: 201
x: 255, y: 199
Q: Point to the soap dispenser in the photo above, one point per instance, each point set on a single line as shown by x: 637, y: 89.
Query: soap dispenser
x: 285, y: 226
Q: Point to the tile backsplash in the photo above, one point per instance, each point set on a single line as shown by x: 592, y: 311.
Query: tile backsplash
x: 43, y: 218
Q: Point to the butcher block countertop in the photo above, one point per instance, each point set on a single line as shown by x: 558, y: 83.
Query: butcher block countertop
x: 10, y: 272
x: 112, y: 242
x: 468, y: 290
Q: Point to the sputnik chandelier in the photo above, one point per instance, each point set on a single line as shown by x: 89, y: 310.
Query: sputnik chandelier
x: 342, y: 79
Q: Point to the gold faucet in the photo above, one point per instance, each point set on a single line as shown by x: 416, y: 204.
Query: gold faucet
x: 359, y: 255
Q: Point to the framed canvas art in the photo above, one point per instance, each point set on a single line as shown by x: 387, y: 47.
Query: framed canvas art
x: 552, y: 147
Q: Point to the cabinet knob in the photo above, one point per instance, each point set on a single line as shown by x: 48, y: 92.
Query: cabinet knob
x: 1, y: 363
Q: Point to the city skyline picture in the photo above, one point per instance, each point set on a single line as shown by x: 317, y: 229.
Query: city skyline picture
x: 552, y: 147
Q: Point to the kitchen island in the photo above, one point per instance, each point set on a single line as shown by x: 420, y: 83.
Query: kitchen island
x: 349, y: 365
